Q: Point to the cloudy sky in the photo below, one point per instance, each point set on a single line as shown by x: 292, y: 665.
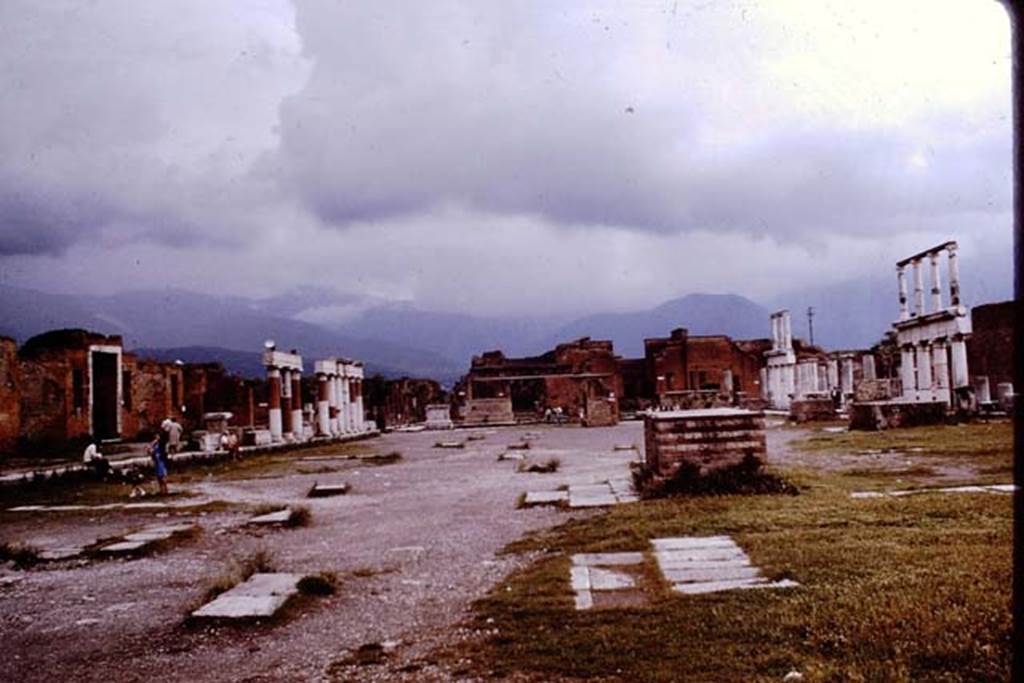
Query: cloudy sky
x: 498, y: 157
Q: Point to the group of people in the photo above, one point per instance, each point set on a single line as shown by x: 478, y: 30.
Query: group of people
x: 167, y: 440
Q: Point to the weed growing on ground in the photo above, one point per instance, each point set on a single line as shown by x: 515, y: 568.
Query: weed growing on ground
x: 322, y: 583
x: 21, y: 554
x: 382, y: 458
x: 745, y: 478
x: 300, y: 516
x: 546, y: 467
x: 237, y: 571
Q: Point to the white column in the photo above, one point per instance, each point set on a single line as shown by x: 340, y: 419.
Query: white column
x: 345, y: 408
x: 959, y: 353
x: 924, y: 372
x: 297, y: 427
x: 918, y: 289
x: 274, y: 403
x: 765, y: 391
x: 360, y: 411
x: 787, y: 332
x: 901, y: 282
x: 936, y: 282
x: 940, y: 370
x: 954, y: 277
x: 907, y: 373
x: 846, y: 379
x: 833, y: 374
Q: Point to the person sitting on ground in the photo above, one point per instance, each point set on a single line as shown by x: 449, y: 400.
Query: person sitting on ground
x: 94, y: 459
x: 229, y: 443
x: 157, y: 451
x: 134, y: 476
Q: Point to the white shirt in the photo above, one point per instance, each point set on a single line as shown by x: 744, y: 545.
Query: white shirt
x: 91, y: 453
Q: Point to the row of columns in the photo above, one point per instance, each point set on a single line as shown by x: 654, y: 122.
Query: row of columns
x: 916, y: 265
x: 339, y: 397
x: 284, y: 376
x: 925, y: 369
x: 782, y: 331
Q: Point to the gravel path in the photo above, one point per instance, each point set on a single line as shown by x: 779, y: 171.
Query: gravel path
x: 415, y: 543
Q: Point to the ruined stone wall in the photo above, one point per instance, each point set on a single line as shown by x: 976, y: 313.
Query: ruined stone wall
x: 10, y: 398
x: 704, y: 439
x: 812, y: 409
x: 601, y: 412
x: 482, y: 411
x: 152, y: 385
x: 47, y: 405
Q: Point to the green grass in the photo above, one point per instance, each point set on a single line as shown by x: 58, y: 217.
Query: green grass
x: 891, y: 589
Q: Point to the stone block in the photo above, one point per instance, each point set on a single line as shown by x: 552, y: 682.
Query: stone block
x: 545, y: 497
x: 271, y: 518
x: 876, y: 415
x: 710, y: 572
x: 607, y: 559
x: 325, y: 490
x: 261, y: 596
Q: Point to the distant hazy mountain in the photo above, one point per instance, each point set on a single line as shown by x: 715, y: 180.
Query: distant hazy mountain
x: 172, y: 319
x: 728, y: 314
x: 453, y: 335
x: 241, y: 363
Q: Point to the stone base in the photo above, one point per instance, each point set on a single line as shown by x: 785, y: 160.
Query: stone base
x: 876, y: 415
x: 812, y: 409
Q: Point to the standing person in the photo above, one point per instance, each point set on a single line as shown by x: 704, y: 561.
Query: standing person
x: 94, y: 459
x: 174, y: 430
x: 157, y: 451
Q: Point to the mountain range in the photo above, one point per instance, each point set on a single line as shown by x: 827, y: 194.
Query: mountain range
x: 398, y: 339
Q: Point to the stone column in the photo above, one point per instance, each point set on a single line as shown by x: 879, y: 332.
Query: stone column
x: 868, y: 366
x: 727, y: 381
x: 332, y: 405
x: 360, y: 411
x: 982, y: 389
x: 940, y: 370
x: 776, y: 336
x: 787, y: 332
x: 918, y: 289
x: 907, y: 373
x: 846, y: 380
x: 274, y: 403
x: 765, y: 392
x: 833, y: 374
x: 954, y: 277
x: 346, y: 411
x: 924, y: 372
x: 297, y: 426
x: 323, y: 404
x: 936, y: 282
x: 901, y: 282
x: 959, y: 353
x: 286, y: 403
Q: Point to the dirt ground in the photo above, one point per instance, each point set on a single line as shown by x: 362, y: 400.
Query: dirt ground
x: 414, y: 544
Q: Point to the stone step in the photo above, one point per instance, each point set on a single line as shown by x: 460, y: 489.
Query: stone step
x: 324, y: 490
x: 261, y: 596
x: 271, y: 518
x: 545, y: 497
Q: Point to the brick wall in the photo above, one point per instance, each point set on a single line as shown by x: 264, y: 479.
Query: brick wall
x: 10, y: 401
x: 708, y: 439
x: 990, y: 346
x: 481, y: 411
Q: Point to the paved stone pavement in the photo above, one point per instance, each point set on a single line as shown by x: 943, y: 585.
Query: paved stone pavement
x: 708, y: 564
x: 994, y: 488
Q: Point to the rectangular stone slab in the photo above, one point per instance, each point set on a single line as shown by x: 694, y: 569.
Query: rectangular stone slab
x: 607, y: 559
x: 739, y: 561
x: 684, y: 542
x: 723, y: 573
x: 584, y: 600
x: 124, y: 547
x: 716, y: 586
x: 278, y: 517
x: 699, y: 555
x: 56, y: 554
x: 585, y: 489
x: 324, y: 490
x: 591, y: 501
x: 242, y: 607
x: 276, y: 583
x: 609, y: 579
x: 545, y: 497
x: 579, y: 578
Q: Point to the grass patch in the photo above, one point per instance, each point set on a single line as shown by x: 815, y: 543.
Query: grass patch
x: 748, y: 477
x: 320, y: 469
x: 22, y: 555
x: 322, y: 583
x: 984, y: 442
x: 891, y: 589
x: 547, y: 467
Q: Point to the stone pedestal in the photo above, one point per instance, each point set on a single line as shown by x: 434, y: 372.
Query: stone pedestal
x: 711, y: 439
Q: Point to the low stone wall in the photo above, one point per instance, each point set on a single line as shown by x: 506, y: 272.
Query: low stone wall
x: 876, y: 415
x: 868, y: 390
x: 710, y: 439
x: 811, y: 409
x: 439, y: 416
x: 488, y: 411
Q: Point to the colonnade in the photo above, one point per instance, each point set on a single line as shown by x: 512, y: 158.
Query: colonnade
x: 933, y: 348
x: 339, y: 397
x: 284, y: 401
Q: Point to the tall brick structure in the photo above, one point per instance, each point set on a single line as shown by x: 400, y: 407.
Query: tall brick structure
x: 10, y: 397
x: 706, y: 440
